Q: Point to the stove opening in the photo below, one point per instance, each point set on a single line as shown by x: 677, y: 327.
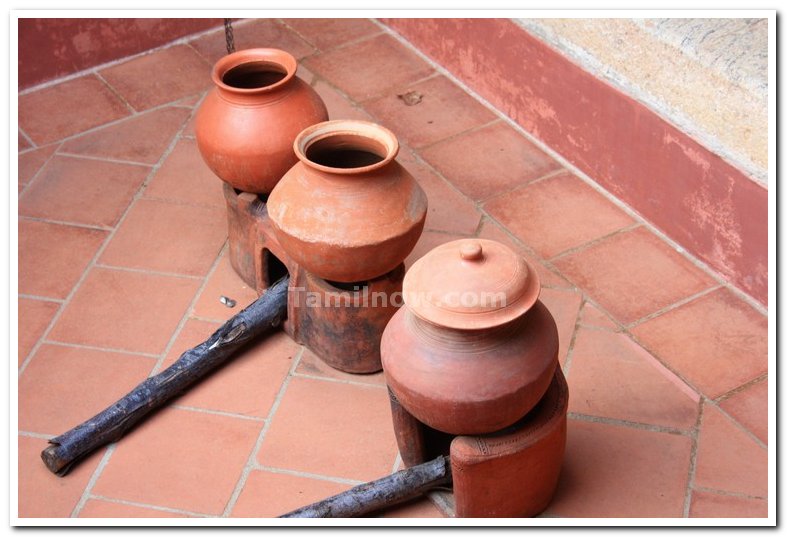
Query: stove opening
x: 274, y: 268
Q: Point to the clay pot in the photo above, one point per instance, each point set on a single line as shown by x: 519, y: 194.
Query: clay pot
x: 245, y: 126
x: 472, y: 350
x: 347, y: 211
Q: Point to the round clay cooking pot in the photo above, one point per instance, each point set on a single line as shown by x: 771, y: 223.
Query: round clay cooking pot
x: 347, y: 211
x: 472, y: 350
x: 245, y: 126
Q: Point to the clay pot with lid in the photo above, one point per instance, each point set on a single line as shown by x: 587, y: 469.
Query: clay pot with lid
x: 347, y: 211
x: 473, y: 349
x: 245, y: 126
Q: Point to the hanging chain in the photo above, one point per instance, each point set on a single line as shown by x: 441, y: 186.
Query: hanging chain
x: 229, y: 35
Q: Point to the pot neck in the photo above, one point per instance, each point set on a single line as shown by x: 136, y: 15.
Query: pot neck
x: 462, y: 340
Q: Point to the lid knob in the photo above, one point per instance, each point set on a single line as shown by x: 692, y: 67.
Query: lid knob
x: 471, y: 251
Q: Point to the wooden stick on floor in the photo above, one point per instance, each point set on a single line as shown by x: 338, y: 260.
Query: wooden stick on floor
x: 261, y: 316
x: 375, y: 495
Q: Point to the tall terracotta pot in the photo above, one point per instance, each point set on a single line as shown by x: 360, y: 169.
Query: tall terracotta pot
x: 347, y: 211
x: 245, y: 127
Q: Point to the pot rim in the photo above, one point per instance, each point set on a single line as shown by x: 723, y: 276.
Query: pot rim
x: 275, y: 56
x: 355, y: 127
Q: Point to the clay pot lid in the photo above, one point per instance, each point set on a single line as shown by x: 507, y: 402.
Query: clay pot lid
x: 471, y: 284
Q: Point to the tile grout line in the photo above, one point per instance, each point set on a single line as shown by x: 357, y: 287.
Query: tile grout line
x: 738, y: 425
x: 522, y: 186
x: 103, y: 159
x: 397, y: 462
x: 578, y: 416
x: 309, y: 475
x: 456, y: 135
x: 31, y: 434
x: 97, y: 348
x: 743, y: 387
x: 29, y: 140
x: 695, y: 441
x: 593, y: 242
x: 675, y: 305
x: 223, y: 413
x: 338, y: 381
x: 37, y: 174
x: 117, y: 94
x: 80, y: 225
x: 149, y: 506
x: 579, y: 173
x: 39, y: 298
x: 570, y: 351
x: 252, y: 459
x: 148, y: 271
x: 86, y: 493
x: 730, y: 493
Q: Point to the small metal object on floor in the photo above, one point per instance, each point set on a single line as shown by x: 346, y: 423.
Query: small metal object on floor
x: 227, y: 301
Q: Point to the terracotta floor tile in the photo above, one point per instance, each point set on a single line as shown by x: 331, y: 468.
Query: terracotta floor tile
x: 105, y: 509
x: 339, y: 106
x: 124, y: 310
x: 329, y: 33
x: 168, y: 237
x: 248, y: 383
x: 428, y: 241
x: 52, y: 257
x: 42, y: 494
x: 728, y: 459
x: 612, y: 471
x: 549, y: 278
x: 331, y: 428
x: 444, y: 110
x: 224, y: 282
x: 252, y: 34
x: 64, y: 386
x: 269, y: 494
x: 640, y: 389
x: 180, y: 459
x: 369, y: 68
x: 710, y: 505
x: 717, y: 341
x: 488, y: 161
x: 557, y: 214
x: 30, y: 162
x: 142, y: 138
x: 418, y: 508
x: 83, y: 191
x: 633, y: 274
x: 564, y: 306
x: 592, y: 317
x: 68, y: 108
x: 449, y: 210
x: 750, y: 408
x: 311, y: 365
x: 34, y: 317
x: 160, y: 77
x: 185, y: 177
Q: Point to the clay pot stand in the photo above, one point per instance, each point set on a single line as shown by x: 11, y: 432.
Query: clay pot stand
x: 347, y: 337
x: 510, y: 473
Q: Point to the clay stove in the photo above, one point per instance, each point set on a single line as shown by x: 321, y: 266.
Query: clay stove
x: 471, y: 366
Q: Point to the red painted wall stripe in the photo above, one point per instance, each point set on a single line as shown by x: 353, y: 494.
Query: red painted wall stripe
x: 51, y: 48
x: 706, y: 205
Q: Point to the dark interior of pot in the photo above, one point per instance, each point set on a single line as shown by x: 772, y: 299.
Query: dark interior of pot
x: 254, y: 75
x: 346, y: 151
